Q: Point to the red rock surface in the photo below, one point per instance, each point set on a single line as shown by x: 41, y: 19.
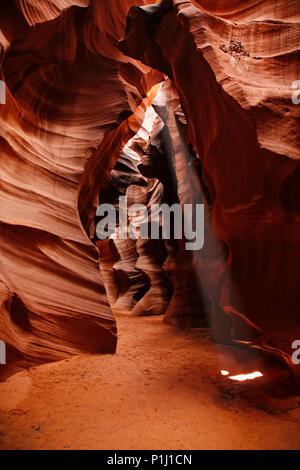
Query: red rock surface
x: 234, y: 82
x: 75, y: 96
x: 66, y: 90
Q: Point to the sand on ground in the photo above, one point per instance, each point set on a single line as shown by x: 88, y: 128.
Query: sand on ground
x: 162, y: 390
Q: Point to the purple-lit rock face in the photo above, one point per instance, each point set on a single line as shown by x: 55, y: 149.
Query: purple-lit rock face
x: 84, y: 121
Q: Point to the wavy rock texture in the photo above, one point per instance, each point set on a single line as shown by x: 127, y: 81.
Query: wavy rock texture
x: 233, y: 76
x: 227, y: 130
x: 68, y: 91
x: 133, y: 268
x: 123, y: 282
x: 256, y: 10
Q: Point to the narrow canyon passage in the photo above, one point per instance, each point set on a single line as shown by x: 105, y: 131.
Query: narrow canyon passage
x: 161, y: 390
x: 149, y: 224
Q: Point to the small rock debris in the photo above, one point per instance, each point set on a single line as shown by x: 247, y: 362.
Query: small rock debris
x: 235, y: 49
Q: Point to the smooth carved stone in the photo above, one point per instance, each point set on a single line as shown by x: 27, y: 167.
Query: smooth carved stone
x: 72, y: 103
x: 242, y: 125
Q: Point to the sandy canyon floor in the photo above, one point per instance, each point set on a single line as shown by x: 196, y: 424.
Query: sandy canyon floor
x: 162, y: 390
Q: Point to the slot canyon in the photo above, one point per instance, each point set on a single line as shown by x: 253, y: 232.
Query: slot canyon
x: 188, y: 338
